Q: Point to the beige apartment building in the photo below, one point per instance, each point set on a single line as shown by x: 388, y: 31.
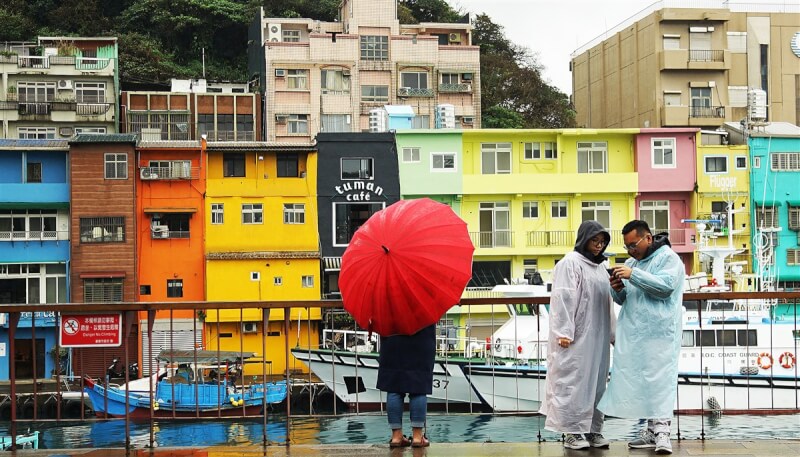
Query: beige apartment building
x: 327, y: 76
x: 57, y: 87
x: 691, y: 67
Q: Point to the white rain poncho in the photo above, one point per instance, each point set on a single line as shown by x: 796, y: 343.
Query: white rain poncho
x: 581, y: 310
x: 644, y: 376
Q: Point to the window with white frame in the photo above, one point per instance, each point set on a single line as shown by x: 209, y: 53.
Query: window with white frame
x: 95, y: 130
x: 335, y: 82
x: 757, y: 162
x: 672, y: 42
x: 35, y: 283
x: 252, y: 213
x: 421, y: 121
x: 29, y: 92
x: 450, y: 78
x: 785, y: 161
x: 794, y: 218
x: 793, y: 257
x: 663, y: 152
x: 36, y: 133
x: 308, y: 281
x: 294, y: 213
x: 174, y: 288
x: 90, y: 92
x: 672, y: 98
x: 495, y: 158
x: 593, y: 157
x: 297, y: 123
x: 766, y: 217
x: 31, y: 224
x: 558, y: 210
x: 741, y: 162
x: 410, y: 155
x: 716, y: 164
x: 357, y: 168
x: 530, y: 210
x: 374, y: 93
x: 443, y: 161
x: 277, y: 280
x: 290, y: 36
x: 700, y: 101
x: 348, y: 217
x: 102, y: 290
x: 596, y: 211
x: 217, y: 213
x: 655, y: 213
x: 374, y: 47
x: 335, y: 122
x: 537, y: 150
x: 495, y: 224
x: 414, y: 80
x: 116, y: 165
x: 297, y: 79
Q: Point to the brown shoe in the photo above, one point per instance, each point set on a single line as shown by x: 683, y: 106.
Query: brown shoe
x: 405, y: 442
x: 424, y: 443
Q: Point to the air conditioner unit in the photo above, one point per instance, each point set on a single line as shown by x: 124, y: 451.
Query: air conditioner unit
x: 147, y: 174
x: 249, y: 327
x: 346, y: 72
x: 64, y: 84
x: 468, y: 120
x: 404, y: 91
x: 281, y: 118
x: 280, y: 72
x: 160, y: 231
x: 66, y: 131
x: 274, y: 33
x: 454, y: 37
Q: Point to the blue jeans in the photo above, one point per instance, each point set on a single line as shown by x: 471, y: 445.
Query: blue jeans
x: 418, y: 405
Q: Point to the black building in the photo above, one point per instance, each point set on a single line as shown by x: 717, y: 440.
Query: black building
x: 358, y: 176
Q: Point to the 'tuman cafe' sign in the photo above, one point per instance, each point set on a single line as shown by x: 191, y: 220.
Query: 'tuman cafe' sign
x: 359, y: 191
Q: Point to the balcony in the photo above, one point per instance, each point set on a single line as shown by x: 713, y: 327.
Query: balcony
x: 455, y: 88
x: 414, y: 92
x: 11, y: 104
x: 495, y: 239
x: 165, y: 234
x: 169, y: 173
x: 46, y: 235
x: 230, y: 135
x: 695, y: 59
x: 43, y: 108
x: 92, y: 109
x: 692, y: 116
x: 566, y: 238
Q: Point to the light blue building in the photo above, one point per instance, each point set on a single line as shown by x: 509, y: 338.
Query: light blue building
x: 34, y: 249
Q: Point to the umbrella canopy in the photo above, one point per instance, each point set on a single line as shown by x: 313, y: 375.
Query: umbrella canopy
x: 405, y: 267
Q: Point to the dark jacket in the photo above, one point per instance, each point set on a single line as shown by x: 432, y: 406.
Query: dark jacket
x: 587, y: 231
x: 406, y: 362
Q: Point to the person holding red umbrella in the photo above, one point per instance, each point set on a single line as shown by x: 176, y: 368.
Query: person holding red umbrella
x: 406, y: 367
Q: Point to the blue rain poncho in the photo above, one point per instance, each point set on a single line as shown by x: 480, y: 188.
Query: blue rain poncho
x: 581, y: 310
x: 644, y: 374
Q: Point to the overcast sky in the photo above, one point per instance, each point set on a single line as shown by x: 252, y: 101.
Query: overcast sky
x: 552, y: 29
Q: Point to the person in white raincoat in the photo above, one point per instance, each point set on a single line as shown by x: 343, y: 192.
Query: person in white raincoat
x: 644, y: 376
x: 580, y: 326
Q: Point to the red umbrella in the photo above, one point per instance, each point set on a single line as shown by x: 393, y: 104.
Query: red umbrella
x: 405, y: 267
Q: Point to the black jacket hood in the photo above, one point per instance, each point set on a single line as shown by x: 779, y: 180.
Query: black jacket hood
x: 586, y: 232
x: 659, y: 239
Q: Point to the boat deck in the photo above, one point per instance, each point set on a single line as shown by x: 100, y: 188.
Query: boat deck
x: 754, y: 448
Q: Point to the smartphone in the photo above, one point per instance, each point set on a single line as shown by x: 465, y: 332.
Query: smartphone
x: 610, y: 272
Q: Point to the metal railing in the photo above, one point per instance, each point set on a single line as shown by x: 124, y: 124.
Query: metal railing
x: 707, y: 111
x: 166, y: 173
x: 229, y: 135
x: 462, y: 87
x: 92, y: 109
x: 706, y: 55
x: 495, y: 239
x: 169, y: 234
x: 35, y: 108
x: 44, y: 235
x: 414, y: 92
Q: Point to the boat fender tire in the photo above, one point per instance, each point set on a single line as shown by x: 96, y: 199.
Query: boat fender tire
x: 764, y: 360
x: 497, y: 345
x: 787, y: 360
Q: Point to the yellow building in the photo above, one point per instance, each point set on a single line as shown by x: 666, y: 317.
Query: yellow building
x: 262, y: 245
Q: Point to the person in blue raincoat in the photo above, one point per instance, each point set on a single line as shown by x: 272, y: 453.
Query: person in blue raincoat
x: 580, y: 331
x: 644, y: 375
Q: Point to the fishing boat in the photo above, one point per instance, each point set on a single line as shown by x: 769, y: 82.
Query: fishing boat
x: 29, y: 440
x: 194, y: 383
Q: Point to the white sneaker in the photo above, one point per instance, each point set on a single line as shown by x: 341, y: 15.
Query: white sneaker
x: 663, y: 446
x: 575, y: 442
x: 646, y: 440
x: 597, y: 440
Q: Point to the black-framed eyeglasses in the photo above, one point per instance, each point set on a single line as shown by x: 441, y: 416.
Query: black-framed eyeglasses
x: 598, y: 242
x: 632, y: 246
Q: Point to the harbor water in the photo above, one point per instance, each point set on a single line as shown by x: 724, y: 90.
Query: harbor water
x: 372, y: 429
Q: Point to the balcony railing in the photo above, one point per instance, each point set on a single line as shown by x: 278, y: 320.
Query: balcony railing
x: 30, y: 235
x: 33, y: 62
x: 230, y: 135
x: 35, y: 108
x: 168, y: 234
x: 551, y: 238
x: 91, y: 63
x: 414, y: 92
x: 707, y: 111
x: 92, y: 109
x: 463, y: 87
x: 166, y: 173
x: 495, y: 239
x: 706, y: 55
x: 13, y: 105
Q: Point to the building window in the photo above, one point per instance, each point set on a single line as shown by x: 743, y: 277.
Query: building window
x: 116, y: 166
x: 655, y: 213
x: 217, y: 213
x: 34, y: 172
x: 530, y: 210
x: 36, y: 133
x: 205, y: 123
x: 348, y: 217
x: 494, y: 224
x: 421, y: 121
x: 716, y: 164
x: 298, y: 123
x: 374, y: 93
x: 233, y: 165
x: 596, y: 211
x: 294, y: 213
x: 793, y: 257
x: 335, y: 82
x: 592, y: 157
x: 663, y: 152
x: 308, y: 281
x: 700, y: 102
x: 102, y: 290
x: 785, y: 161
x: 244, y: 127
x: 90, y: 93
x: 794, y: 218
x: 766, y: 217
x: 32, y: 224
x: 335, y: 122
x: 174, y: 288
x: 297, y: 79
x: 287, y: 165
x: 357, y: 168
x: 443, y: 161
x: 90, y: 130
x: 756, y: 162
x: 535, y: 150
x: 672, y: 98
x: 277, y: 280
x: 410, y: 155
x: 495, y: 158
x: 102, y: 229
x: 170, y: 225
x: 290, y: 36
x: 252, y: 213
x: 414, y: 80
x: 374, y: 47
x: 741, y: 163
x: 672, y: 42
x: 558, y: 210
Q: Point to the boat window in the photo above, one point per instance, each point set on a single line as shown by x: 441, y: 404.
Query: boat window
x: 706, y: 337
x: 726, y: 337
x: 688, y: 338
x: 691, y: 305
x: 715, y: 305
x: 747, y: 338
x: 525, y: 310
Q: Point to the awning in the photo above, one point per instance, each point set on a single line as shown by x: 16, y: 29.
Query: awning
x: 757, y: 202
x: 170, y: 210
x: 105, y: 274
x: 793, y: 202
x: 332, y: 263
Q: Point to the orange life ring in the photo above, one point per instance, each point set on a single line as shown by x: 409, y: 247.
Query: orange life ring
x: 764, y: 361
x: 787, y: 360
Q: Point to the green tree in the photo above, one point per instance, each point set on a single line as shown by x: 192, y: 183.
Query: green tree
x: 498, y: 117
